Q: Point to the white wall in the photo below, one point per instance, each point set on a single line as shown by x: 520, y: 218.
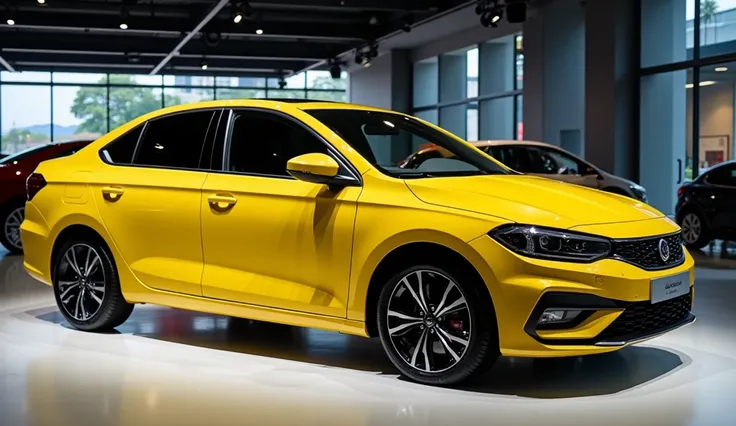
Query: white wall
x: 716, y: 112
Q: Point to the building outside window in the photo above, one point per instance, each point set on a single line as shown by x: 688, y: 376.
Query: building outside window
x: 688, y: 92
x: 40, y: 107
x: 474, y: 92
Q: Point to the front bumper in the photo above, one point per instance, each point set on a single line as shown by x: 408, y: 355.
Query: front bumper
x: 607, y: 290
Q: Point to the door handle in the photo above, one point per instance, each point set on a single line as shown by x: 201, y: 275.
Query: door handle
x: 112, y: 193
x: 222, y: 202
x: 679, y: 171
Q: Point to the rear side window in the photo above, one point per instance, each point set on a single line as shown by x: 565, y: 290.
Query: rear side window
x: 121, y: 150
x: 512, y: 157
x: 724, y: 175
x: 174, y: 141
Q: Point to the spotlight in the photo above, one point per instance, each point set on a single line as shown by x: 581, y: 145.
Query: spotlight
x: 408, y: 21
x: 259, y: 31
x: 123, y: 19
x: 362, y: 59
x: 721, y: 69
x: 515, y: 11
x: 239, y: 10
x: 282, y: 83
x: 10, y: 21
x: 204, y: 65
x: 41, y: 1
x: 373, y: 20
x: 335, y: 70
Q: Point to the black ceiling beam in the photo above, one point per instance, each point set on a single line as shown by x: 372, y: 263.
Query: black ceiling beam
x: 348, y: 6
x: 112, y: 69
x: 84, y: 44
x: 150, y: 62
x: 110, y: 23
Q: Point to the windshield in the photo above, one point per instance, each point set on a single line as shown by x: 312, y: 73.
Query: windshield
x: 385, y: 138
x: 18, y: 156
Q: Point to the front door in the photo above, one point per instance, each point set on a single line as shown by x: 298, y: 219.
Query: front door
x: 722, y: 194
x: 150, y: 206
x: 269, y: 239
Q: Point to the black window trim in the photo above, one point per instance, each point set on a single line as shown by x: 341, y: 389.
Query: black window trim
x: 144, y: 127
x: 353, y: 179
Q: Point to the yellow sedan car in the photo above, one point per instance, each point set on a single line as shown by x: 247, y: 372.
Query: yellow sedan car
x: 292, y: 212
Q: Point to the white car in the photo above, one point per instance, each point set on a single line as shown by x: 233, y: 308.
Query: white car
x: 543, y: 159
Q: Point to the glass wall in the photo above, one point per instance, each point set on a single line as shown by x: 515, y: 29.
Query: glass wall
x: 688, y: 86
x: 39, y: 107
x: 474, y: 92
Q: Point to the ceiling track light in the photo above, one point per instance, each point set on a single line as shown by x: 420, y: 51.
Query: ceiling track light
x: 490, y: 11
x: 240, y: 10
x: 203, y: 65
x: 335, y: 69
x: 41, y: 1
x: 124, y: 19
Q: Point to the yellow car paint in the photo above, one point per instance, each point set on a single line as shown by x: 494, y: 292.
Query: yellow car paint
x: 300, y: 253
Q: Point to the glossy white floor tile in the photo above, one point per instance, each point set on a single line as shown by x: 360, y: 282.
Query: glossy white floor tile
x: 170, y: 367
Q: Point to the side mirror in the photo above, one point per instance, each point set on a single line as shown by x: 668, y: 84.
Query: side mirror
x: 314, y: 168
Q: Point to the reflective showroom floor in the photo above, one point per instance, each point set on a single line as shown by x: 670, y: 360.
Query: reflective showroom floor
x: 169, y: 367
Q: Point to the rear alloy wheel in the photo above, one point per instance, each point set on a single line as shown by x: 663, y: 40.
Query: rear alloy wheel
x: 694, y: 231
x: 432, y: 328
x: 10, y: 237
x: 87, y: 288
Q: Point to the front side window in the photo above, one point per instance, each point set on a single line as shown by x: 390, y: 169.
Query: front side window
x: 262, y: 143
x: 566, y: 163
x: 377, y: 135
x: 512, y: 156
x: 174, y: 141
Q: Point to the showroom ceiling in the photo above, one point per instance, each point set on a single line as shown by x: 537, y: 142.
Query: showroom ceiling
x: 274, y: 37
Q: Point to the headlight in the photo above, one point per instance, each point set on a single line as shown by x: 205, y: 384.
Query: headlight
x: 639, y: 192
x: 551, y: 244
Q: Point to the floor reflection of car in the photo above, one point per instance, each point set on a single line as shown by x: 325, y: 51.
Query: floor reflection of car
x: 542, y: 159
x: 706, y: 207
x: 292, y: 212
x: 14, y: 169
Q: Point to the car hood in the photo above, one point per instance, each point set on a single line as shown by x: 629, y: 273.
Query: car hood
x: 532, y: 200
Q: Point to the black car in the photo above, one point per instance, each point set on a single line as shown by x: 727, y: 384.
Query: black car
x: 706, y: 207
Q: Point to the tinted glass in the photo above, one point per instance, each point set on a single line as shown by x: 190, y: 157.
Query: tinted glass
x: 174, y: 141
x: 567, y: 164
x: 724, y: 175
x: 512, y: 157
x: 543, y: 163
x: 121, y: 150
x: 263, y: 143
x: 376, y: 135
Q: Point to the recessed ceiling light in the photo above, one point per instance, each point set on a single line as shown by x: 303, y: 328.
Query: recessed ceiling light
x: 259, y: 31
x: 10, y: 22
x: 721, y: 69
x: 41, y: 1
x: 123, y: 26
x: 707, y: 83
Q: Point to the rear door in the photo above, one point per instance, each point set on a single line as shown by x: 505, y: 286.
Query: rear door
x: 148, y: 193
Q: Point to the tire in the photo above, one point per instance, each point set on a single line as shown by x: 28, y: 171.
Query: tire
x: 474, y: 341
x: 11, y: 218
x: 695, y: 231
x: 87, y: 286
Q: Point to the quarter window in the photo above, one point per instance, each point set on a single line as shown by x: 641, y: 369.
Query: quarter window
x: 263, y: 143
x: 174, y: 141
x: 121, y: 150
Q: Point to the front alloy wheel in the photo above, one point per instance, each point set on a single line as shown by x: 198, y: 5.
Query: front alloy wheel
x: 11, y: 229
x: 87, y: 287
x: 432, y: 330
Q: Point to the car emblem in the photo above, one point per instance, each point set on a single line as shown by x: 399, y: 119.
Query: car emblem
x: 664, y: 250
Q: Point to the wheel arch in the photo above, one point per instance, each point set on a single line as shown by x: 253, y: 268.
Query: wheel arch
x: 414, y: 252
x: 75, y: 230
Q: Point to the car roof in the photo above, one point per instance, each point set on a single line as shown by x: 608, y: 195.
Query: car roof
x: 303, y: 104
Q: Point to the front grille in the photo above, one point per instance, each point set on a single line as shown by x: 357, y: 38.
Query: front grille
x: 641, y: 318
x: 645, y: 252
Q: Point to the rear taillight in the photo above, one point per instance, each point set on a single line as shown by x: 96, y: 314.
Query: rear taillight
x: 680, y: 191
x: 34, y: 183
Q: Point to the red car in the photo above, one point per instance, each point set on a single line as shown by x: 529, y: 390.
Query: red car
x: 14, y: 169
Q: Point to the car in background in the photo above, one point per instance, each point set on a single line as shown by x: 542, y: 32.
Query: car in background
x: 543, y: 159
x: 14, y: 169
x: 706, y: 207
